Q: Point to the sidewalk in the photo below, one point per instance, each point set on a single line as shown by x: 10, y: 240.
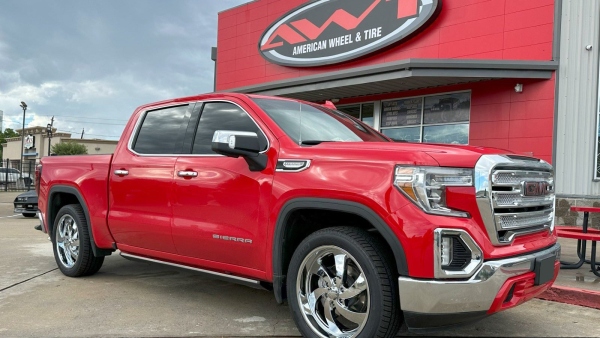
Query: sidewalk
x: 577, y: 287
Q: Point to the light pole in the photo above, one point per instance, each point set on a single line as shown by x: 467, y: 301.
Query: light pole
x: 24, y: 106
x: 49, y: 133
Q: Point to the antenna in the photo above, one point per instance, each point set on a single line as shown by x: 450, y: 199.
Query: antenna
x: 82, y: 131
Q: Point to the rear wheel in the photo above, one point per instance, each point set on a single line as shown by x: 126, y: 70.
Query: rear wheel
x: 72, y: 244
x: 341, y: 284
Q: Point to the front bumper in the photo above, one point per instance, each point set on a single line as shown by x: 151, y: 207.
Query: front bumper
x: 25, y: 210
x: 497, y: 285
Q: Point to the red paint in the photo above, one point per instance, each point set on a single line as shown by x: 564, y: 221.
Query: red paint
x: 524, y: 290
x: 585, y: 209
x: 407, y: 8
x: 573, y: 296
x: 339, y: 17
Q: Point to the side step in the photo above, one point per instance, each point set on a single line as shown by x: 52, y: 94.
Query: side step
x: 229, y: 278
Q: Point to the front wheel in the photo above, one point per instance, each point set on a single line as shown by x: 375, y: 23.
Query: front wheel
x: 29, y: 215
x: 341, y: 283
x: 72, y: 244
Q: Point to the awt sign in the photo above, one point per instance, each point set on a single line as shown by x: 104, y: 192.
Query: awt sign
x: 325, y: 32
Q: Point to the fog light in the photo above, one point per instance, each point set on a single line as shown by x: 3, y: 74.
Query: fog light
x: 446, y: 251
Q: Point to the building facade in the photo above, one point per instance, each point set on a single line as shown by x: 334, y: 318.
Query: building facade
x: 510, y: 74
x: 37, y: 145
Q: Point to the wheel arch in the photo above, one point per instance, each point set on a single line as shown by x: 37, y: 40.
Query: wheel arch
x: 61, y: 195
x: 283, y: 226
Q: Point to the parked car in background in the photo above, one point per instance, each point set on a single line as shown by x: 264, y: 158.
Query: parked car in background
x: 26, y: 204
x: 11, y: 175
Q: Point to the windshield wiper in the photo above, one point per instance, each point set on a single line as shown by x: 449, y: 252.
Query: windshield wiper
x: 312, y: 142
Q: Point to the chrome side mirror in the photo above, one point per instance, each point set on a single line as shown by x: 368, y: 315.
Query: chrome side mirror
x: 240, y: 143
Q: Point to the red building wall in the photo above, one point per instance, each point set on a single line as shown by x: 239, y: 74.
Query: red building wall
x: 500, y: 117
x: 465, y: 29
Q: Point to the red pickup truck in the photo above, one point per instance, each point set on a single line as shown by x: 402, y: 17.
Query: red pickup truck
x: 359, y: 233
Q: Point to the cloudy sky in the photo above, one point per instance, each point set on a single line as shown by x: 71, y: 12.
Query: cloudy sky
x: 91, y: 63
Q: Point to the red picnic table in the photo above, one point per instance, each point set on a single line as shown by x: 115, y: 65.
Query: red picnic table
x: 582, y: 235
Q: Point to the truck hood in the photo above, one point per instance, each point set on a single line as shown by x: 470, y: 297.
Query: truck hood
x: 444, y: 155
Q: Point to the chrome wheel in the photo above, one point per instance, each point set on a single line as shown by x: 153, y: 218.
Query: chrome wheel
x: 333, y: 293
x: 67, y: 241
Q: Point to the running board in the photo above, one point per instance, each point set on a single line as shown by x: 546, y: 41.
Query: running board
x: 229, y: 278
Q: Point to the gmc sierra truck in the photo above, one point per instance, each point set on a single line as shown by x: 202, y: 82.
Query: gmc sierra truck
x: 357, y: 232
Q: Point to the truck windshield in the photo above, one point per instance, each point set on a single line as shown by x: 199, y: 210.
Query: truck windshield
x: 309, y: 124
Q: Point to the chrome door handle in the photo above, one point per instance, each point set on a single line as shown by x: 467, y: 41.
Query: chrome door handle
x: 187, y: 174
x: 121, y: 172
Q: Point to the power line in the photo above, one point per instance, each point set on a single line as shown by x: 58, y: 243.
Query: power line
x: 74, y: 132
x: 73, y: 121
x: 89, y: 118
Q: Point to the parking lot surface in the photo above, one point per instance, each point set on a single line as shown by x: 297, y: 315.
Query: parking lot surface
x: 132, y: 299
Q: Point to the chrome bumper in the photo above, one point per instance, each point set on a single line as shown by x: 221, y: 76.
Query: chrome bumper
x: 473, y: 295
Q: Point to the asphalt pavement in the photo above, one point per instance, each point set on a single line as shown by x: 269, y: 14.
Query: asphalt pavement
x: 132, y: 299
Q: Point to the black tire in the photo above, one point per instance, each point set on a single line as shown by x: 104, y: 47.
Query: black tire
x: 85, y: 262
x: 383, y: 315
x: 29, y: 215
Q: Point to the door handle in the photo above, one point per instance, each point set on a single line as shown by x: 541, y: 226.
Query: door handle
x: 187, y: 174
x: 121, y: 172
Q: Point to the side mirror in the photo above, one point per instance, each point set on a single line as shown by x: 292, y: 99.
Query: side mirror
x: 240, y: 143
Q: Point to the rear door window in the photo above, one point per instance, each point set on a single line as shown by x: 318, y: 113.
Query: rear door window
x: 162, y: 131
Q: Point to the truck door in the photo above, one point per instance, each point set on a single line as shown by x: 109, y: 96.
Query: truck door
x: 220, y: 207
x: 141, y: 180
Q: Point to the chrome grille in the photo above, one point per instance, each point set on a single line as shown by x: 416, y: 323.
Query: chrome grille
x: 523, y: 220
x: 508, y: 205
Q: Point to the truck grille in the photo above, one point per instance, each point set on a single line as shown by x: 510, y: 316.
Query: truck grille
x: 515, y: 196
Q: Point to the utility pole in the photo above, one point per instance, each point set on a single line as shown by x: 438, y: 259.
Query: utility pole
x: 24, y: 106
x: 49, y: 133
x: 82, y: 131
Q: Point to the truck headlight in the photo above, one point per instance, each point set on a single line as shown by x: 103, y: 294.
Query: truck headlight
x: 426, y: 186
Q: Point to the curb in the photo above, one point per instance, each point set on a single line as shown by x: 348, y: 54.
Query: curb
x: 573, y: 296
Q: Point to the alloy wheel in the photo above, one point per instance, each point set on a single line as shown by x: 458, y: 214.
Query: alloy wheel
x: 67, y: 241
x: 333, y: 293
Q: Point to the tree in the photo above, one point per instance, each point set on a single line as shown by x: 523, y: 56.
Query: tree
x: 69, y: 148
x: 8, y: 133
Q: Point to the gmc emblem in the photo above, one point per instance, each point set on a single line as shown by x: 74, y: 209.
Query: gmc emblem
x: 536, y: 188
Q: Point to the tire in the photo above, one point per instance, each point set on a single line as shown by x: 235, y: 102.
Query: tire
x: 363, y: 303
x: 29, y: 215
x: 70, y: 228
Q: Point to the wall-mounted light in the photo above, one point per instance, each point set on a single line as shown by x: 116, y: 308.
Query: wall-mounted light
x: 519, y: 88
x: 589, y: 47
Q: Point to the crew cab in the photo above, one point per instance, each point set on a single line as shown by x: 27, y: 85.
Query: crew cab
x: 357, y: 232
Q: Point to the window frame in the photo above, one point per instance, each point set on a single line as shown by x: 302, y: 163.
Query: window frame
x: 142, y: 118
x: 421, y: 125
x: 596, y: 177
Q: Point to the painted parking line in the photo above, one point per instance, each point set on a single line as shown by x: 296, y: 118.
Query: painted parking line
x: 9, y: 216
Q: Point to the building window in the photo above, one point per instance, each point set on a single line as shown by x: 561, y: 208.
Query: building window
x: 364, y: 112
x: 440, y: 118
